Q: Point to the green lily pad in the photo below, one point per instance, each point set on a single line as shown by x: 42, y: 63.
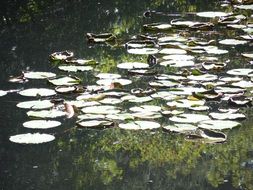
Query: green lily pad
x: 218, y: 124
x: 233, y: 42
x: 75, y: 68
x: 229, y: 89
x: 213, y: 66
x: 212, y: 14
x: 189, y: 118
x: 36, y: 104
x: 38, y: 75
x: 90, y: 97
x: 46, y: 113
x: 132, y: 65
x: 65, y: 81
x: 139, y: 125
x: 31, y: 138
x: 41, y: 124
x: 37, y: 92
x: 101, y: 110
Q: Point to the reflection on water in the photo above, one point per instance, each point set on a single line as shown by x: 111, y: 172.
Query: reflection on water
x: 112, y: 158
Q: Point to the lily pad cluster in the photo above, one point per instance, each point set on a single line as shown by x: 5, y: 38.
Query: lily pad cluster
x: 186, y: 85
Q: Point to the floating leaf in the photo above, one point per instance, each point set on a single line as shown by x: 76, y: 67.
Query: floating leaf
x: 184, y: 103
x: 36, y: 104
x: 41, y: 124
x: 180, y: 128
x: 205, y: 77
x: 120, y: 116
x: 174, y: 37
x: 38, y: 75
x: 163, y: 83
x: 81, y: 104
x: 240, y: 101
x: 46, y: 113
x: 91, y: 117
x: 136, y: 99
x: 143, y: 51
x: 108, y: 82
x: 95, y: 123
x: 37, y: 92
x: 183, y: 23
x: 2, y: 93
x: 65, y: 89
x: 157, y: 26
x: 140, y: 44
x: 186, y: 90
x: 132, y: 65
x: 178, y: 57
x: 145, y: 108
x: 233, y: 42
x: 64, y: 81
x: 81, y: 61
x: 189, y: 118
x: 100, y: 38
x: 139, y: 125
x: 243, y: 84
x: 101, y: 110
x: 212, y: 14
x: 248, y: 55
x: 230, y: 116
x: 60, y: 56
x: 31, y: 138
x: 110, y: 101
x: 74, y: 68
x: 172, y: 51
x: 213, y: 66
x: 240, y: 71
x: 218, y: 124
x: 174, y: 63
x: 246, y: 7
x: 230, y: 79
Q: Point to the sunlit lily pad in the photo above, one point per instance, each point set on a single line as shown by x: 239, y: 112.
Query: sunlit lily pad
x: 65, y: 80
x: 163, y: 83
x: 2, y: 93
x: 139, y: 125
x: 36, y: 104
x: 145, y: 108
x: 142, y: 51
x: 157, y: 26
x: 100, y: 38
x: 184, y: 103
x: 101, y: 110
x: 107, y: 82
x: 229, y: 116
x: 120, y: 116
x: 31, y: 138
x: 205, y: 77
x: 164, y: 95
x: 185, y: 90
x: 243, y: 84
x: 81, y: 61
x: 91, y: 117
x: 246, y: 7
x: 181, y: 128
x: 183, y: 23
x: 175, y: 37
x: 189, y: 118
x: 231, y: 79
x: 240, y: 71
x: 38, y: 75
x: 75, y: 68
x: 140, y: 43
x: 132, y: 65
x: 91, y: 97
x: 37, y: 92
x: 41, y: 124
x: 60, y: 56
x: 147, y: 115
x: 135, y: 99
x: 213, y: 66
x: 81, y: 104
x: 240, y: 101
x: 172, y: 51
x: 218, y: 124
x: 112, y: 101
x: 212, y: 14
x: 178, y: 57
x: 95, y: 123
x: 229, y: 89
x: 248, y: 55
x: 46, y: 113
x: 216, y: 51
x: 233, y: 42
x: 174, y: 63
x: 65, y: 89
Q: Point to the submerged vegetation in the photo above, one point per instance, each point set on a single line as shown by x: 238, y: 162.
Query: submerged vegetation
x: 150, y: 106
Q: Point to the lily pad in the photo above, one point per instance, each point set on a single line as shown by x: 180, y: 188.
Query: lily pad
x: 218, y: 124
x: 246, y: 7
x: 229, y: 116
x: 178, y: 57
x: 101, y: 110
x: 120, y: 116
x: 139, y: 125
x: 240, y: 71
x: 2, y: 93
x: 163, y: 83
x: 135, y: 99
x: 81, y: 104
x: 145, y: 108
x: 36, y: 104
x: 65, y: 89
x: 172, y: 51
x: 81, y: 61
x: 212, y: 14
x: 38, y: 75
x: 132, y: 65
x: 37, y: 92
x: 108, y: 76
x: 100, y: 38
x: 41, y: 124
x: 46, y: 113
x: 108, y: 82
x: 95, y: 123
x: 31, y: 138
x: 65, y: 81
x: 174, y: 63
x: 60, y: 56
x: 248, y: 55
x: 74, y: 68
x: 205, y: 77
x: 189, y: 118
x: 143, y: 51
x: 184, y: 103
x: 111, y: 101
x: 180, y: 128
x: 157, y: 26
x: 233, y: 42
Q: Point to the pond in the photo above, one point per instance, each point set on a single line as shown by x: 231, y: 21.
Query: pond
x: 161, y: 100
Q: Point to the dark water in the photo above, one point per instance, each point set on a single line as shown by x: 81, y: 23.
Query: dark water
x: 111, y: 158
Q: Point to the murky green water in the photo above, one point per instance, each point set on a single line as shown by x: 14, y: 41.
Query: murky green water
x: 111, y: 158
